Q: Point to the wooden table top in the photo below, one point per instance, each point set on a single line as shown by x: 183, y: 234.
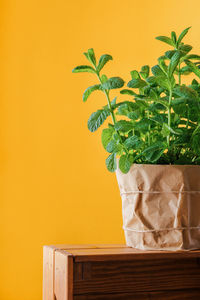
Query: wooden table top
x: 115, y: 252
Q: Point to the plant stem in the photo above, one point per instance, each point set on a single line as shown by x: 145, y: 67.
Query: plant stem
x: 169, y: 116
x: 109, y: 102
x: 148, y: 133
x: 179, y: 73
x: 187, y: 123
x: 111, y: 111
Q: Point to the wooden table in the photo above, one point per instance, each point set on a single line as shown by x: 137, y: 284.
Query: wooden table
x: 91, y: 272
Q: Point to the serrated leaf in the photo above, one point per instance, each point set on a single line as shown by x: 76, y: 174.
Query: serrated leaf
x: 128, y: 92
x: 123, y: 109
x: 83, y: 68
x: 89, y: 90
x: 192, y: 56
x: 186, y: 70
x: 144, y: 71
x: 170, y: 53
x: 193, y: 67
x: 186, y: 92
x: 135, y: 74
x: 163, y: 82
x: 157, y: 71
x: 174, y: 62
x: 106, y: 136
x: 111, y: 162
x: 136, y: 83
x: 97, y: 118
x: 153, y: 94
x: 132, y: 142
x: 104, y: 78
x: 162, y: 64
x: 124, y: 163
x: 112, y: 146
x: 167, y: 129
x: 133, y: 115
x: 183, y: 33
x: 154, y: 152
x: 151, y: 80
x: 124, y: 126
x: 185, y: 48
x: 90, y: 56
x: 166, y: 40
x: 103, y: 60
x: 173, y: 37
x: 113, y: 83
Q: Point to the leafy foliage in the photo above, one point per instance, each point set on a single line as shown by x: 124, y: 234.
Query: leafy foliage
x: 160, y: 123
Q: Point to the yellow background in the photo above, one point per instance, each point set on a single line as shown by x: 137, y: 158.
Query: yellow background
x: 54, y: 184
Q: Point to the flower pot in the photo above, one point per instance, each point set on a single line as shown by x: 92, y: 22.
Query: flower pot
x: 161, y: 206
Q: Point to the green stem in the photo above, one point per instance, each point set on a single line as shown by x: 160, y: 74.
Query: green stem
x: 179, y: 73
x: 169, y: 115
x: 187, y: 123
x: 111, y: 111
x: 148, y: 133
x: 109, y: 102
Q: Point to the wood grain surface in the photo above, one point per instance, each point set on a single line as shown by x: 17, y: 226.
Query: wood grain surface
x: 95, y: 272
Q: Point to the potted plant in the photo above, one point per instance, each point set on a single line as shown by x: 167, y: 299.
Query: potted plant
x: 153, y: 141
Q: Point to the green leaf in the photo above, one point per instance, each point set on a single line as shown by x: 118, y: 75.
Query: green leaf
x: 132, y: 142
x: 83, y: 68
x: 163, y: 82
x: 89, y: 90
x: 192, y: 56
x: 135, y: 74
x: 167, y: 129
x: 166, y: 40
x: 133, y: 115
x: 174, y: 62
x: 196, y: 143
x: 195, y: 82
x: 113, y: 83
x: 193, y: 67
x: 128, y: 92
x: 154, y: 152
x: 183, y: 33
x: 124, y: 163
x: 90, y: 56
x: 97, y: 118
x: 186, y: 92
x: 124, y: 126
x: 123, y: 109
x: 111, y: 162
x: 113, y: 147
x: 186, y: 70
x: 113, y: 103
x: 151, y: 80
x: 170, y: 53
x: 157, y: 71
x: 185, y: 48
x: 104, y: 78
x: 144, y: 71
x: 106, y: 136
x: 103, y: 60
x: 173, y: 37
x: 179, y: 106
x: 136, y: 83
x: 162, y: 64
x: 153, y: 94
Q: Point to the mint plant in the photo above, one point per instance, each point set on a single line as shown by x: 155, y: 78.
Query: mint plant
x: 159, y: 123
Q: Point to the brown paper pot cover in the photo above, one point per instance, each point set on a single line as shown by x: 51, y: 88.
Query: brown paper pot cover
x: 161, y: 206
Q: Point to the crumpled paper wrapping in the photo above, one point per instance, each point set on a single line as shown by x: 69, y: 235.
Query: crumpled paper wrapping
x: 161, y: 206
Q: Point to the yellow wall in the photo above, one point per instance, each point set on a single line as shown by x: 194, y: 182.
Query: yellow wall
x: 54, y: 184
